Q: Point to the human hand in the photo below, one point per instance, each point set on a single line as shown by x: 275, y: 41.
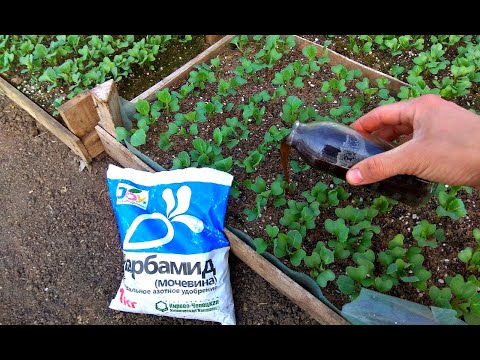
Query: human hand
x: 443, y: 142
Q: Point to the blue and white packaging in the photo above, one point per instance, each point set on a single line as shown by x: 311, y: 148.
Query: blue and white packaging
x: 175, y: 251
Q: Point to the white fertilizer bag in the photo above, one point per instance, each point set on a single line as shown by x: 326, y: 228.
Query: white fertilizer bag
x: 175, y: 252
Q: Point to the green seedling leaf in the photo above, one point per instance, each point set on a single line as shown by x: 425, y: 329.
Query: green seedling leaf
x: 384, y: 94
x: 215, y: 62
x: 138, y: 138
x: 383, y: 284
x: 345, y: 284
x: 164, y: 96
x: 357, y: 273
x: 181, y: 161
x: 143, y: 107
x: 217, y: 136
x: 396, y: 241
x: 272, y: 231
x: 476, y: 235
x: 362, y: 85
x: 294, y: 239
x: 440, y: 235
x: 258, y: 186
x: 229, y: 107
x: 385, y: 259
x: 298, y: 82
x: 409, y: 279
x: 326, y: 255
x: 260, y: 245
x: 396, y: 70
x: 279, y: 202
x: 122, y: 133
x: 297, y: 257
x: 310, y: 52
x: 441, y: 297
x: 455, y: 209
x: 475, y: 304
x: 277, y: 188
x: 40, y: 51
x: 324, y: 277
x: 404, y: 93
x: 280, y: 246
x: 337, y: 228
x: 312, y: 261
x: 422, y: 274
x: 164, y: 142
x: 460, y: 288
x: 339, y: 70
x: 224, y: 164
x: 200, y: 145
x: 251, y: 214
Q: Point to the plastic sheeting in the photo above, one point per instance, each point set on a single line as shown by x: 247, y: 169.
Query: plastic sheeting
x: 374, y: 308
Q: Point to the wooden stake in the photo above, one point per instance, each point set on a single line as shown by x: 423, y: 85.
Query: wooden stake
x: 105, y: 97
x: 93, y: 144
x: 212, y: 39
x: 80, y: 114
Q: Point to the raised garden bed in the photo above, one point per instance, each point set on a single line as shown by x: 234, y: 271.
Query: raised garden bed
x: 40, y: 72
x: 430, y: 56
x: 228, y: 120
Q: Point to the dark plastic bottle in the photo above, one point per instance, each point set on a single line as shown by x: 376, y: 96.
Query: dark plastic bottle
x: 334, y: 148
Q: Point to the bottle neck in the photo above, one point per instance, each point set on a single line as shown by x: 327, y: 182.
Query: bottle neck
x: 293, y: 133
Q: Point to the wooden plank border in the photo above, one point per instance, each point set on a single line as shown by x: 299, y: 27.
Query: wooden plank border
x: 44, y: 118
x: 292, y: 290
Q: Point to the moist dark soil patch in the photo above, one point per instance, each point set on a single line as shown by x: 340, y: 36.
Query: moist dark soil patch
x: 441, y: 261
x: 175, y: 55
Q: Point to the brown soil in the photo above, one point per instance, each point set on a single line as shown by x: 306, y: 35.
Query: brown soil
x: 441, y: 261
x: 60, y: 256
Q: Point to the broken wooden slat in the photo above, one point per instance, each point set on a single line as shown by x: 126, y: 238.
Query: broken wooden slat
x: 49, y: 122
x: 184, y: 71
x: 107, y: 101
x: 93, y: 144
x: 80, y: 114
x: 212, y: 39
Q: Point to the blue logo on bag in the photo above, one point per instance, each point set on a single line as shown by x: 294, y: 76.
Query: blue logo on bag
x: 178, y: 218
x: 175, y: 211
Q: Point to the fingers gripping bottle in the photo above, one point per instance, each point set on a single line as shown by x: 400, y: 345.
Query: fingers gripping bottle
x: 334, y: 148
